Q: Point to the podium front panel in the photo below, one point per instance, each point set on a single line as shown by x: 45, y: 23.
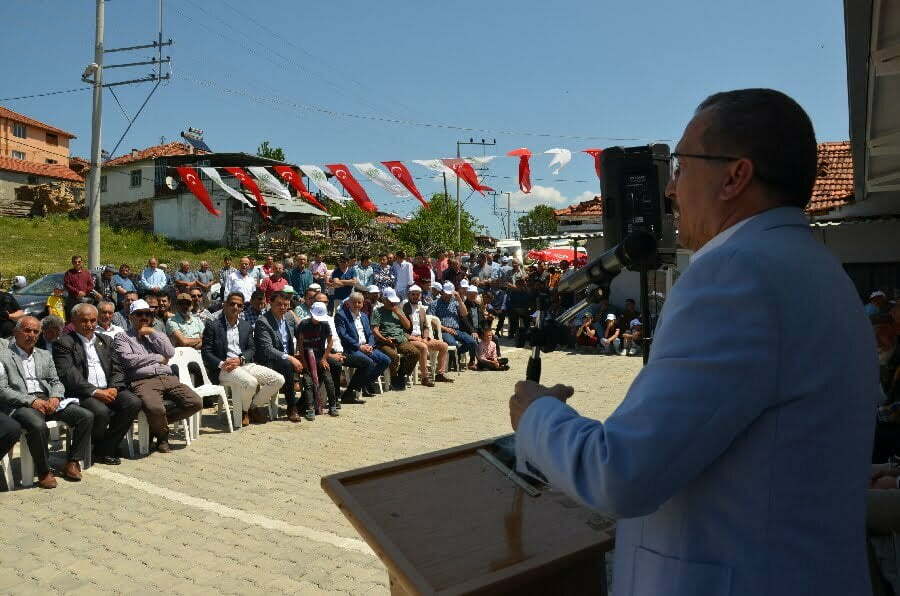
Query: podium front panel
x: 450, y: 522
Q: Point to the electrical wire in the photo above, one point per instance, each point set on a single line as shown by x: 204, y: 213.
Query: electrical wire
x: 46, y: 94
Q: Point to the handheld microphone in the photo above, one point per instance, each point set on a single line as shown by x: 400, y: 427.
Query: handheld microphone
x: 638, y: 248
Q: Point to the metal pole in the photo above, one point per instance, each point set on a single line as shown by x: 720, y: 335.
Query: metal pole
x: 508, y: 216
x: 94, y: 178
x: 458, y: 208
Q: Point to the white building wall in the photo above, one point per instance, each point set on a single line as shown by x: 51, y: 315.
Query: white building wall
x: 118, y: 183
x: 183, y: 217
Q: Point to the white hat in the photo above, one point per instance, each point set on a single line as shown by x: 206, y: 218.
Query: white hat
x: 391, y: 295
x: 313, y: 287
x: 635, y: 322
x: 436, y: 285
x: 610, y: 317
x: 464, y: 283
x: 414, y: 288
x: 472, y: 290
x: 373, y: 289
x: 448, y: 287
x: 319, y: 311
x: 504, y: 259
x: 876, y: 294
x: 138, y: 305
x: 19, y: 281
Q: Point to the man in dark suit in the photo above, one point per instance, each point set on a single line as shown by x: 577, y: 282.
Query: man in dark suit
x: 89, y: 370
x: 274, y: 335
x: 228, y: 353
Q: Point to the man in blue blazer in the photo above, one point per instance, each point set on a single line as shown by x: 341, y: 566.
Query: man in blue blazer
x: 355, y: 331
x: 739, y: 459
x: 274, y: 348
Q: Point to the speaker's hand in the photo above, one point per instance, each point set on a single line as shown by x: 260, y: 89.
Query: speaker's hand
x: 527, y: 392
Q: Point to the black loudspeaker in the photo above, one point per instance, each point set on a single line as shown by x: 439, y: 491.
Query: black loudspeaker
x: 633, y: 186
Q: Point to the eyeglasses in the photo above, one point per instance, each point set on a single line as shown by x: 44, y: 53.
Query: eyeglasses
x: 675, y: 164
x: 236, y: 305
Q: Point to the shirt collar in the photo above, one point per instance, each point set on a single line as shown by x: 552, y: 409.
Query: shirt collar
x: 721, y: 238
x: 25, y: 356
x: 85, y: 340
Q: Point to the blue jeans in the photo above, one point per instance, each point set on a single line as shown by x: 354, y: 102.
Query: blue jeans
x: 465, y: 343
x: 368, y: 367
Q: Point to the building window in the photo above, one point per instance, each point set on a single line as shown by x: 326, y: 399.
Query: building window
x: 135, y: 178
x: 52, y: 139
x: 32, y: 179
x: 18, y: 155
x: 19, y: 130
x: 52, y: 161
x: 103, y: 183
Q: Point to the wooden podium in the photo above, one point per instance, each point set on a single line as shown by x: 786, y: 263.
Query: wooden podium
x: 451, y: 522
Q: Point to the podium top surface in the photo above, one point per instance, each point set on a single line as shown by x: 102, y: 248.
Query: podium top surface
x: 450, y: 522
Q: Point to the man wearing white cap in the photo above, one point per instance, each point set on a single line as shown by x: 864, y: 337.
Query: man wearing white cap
x: 372, y: 295
x: 314, y: 344
x: 144, y: 354
x: 631, y: 339
x: 610, y: 335
x: 390, y: 327
x: 877, y: 305
x: 416, y: 312
x: 451, y: 310
x: 434, y: 292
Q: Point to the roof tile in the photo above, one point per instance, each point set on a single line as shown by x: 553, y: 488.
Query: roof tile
x: 7, y: 113
x: 167, y: 150
x: 834, y: 178
x: 55, y: 170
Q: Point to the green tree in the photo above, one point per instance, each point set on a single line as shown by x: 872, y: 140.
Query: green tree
x: 433, y: 229
x: 264, y: 150
x: 540, y: 221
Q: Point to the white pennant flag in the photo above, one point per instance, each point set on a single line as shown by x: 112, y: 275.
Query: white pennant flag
x: 269, y: 182
x: 382, y: 179
x: 316, y: 174
x: 480, y: 161
x: 215, y: 177
x: 560, y: 158
x: 436, y: 165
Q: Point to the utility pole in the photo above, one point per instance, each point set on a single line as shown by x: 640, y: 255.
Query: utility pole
x: 93, y: 74
x: 97, y: 110
x: 483, y: 143
x: 507, y: 225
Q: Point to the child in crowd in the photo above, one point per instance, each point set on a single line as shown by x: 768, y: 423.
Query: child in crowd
x: 487, y: 352
x: 56, y: 303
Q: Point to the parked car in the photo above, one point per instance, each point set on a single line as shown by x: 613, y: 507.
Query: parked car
x: 33, y: 297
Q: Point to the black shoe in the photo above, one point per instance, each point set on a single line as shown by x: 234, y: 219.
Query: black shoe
x: 333, y: 411
x: 310, y: 415
x: 107, y: 460
x: 370, y: 390
x: 353, y: 398
x: 348, y: 396
x: 401, y: 386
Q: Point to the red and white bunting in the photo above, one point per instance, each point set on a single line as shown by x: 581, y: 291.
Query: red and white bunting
x: 596, y: 153
x: 215, y: 177
x: 248, y: 183
x: 524, y: 154
x: 342, y: 173
x: 290, y: 175
x: 560, y: 158
x: 319, y: 178
x: 464, y: 170
x: 192, y: 180
x: 268, y: 182
x: 399, y: 171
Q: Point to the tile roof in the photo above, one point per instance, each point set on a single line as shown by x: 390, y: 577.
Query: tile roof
x: 589, y: 208
x: 169, y: 149
x: 834, y: 178
x: 833, y: 187
x: 390, y: 219
x: 7, y: 113
x: 54, y: 170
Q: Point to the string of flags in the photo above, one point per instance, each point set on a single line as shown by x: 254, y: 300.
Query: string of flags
x: 395, y: 179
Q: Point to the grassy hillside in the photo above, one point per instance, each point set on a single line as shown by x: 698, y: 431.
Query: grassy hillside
x: 35, y: 247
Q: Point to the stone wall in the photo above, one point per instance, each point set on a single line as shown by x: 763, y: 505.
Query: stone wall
x: 20, y: 199
x: 137, y: 215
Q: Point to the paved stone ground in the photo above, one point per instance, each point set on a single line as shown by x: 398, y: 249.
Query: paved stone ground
x: 244, y: 513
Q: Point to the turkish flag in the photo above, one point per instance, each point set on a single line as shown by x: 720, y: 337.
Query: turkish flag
x: 596, y: 153
x: 289, y: 175
x: 190, y: 177
x: 399, y: 171
x: 355, y: 189
x: 250, y: 184
x: 524, y: 154
x: 464, y: 170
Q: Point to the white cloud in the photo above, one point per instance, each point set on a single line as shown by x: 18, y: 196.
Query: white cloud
x: 546, y: 195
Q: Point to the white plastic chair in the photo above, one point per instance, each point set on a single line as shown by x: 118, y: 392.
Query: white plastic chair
x: 435, y: 324
x: 26, y: 461
x: 144, y: 434
x: 6, y: 465
x: 182, y: 359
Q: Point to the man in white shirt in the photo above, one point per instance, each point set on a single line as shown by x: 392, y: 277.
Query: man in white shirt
x: 417, y: 313
x: 32, y: 394
x: 105, y: 326
x: 404, y: 273
x: 90, y: 371
x: 242, y: 280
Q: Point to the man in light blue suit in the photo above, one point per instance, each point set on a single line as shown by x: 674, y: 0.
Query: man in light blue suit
x: 739, y: 460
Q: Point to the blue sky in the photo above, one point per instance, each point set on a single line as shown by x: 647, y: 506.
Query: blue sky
x: 247, y: 72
